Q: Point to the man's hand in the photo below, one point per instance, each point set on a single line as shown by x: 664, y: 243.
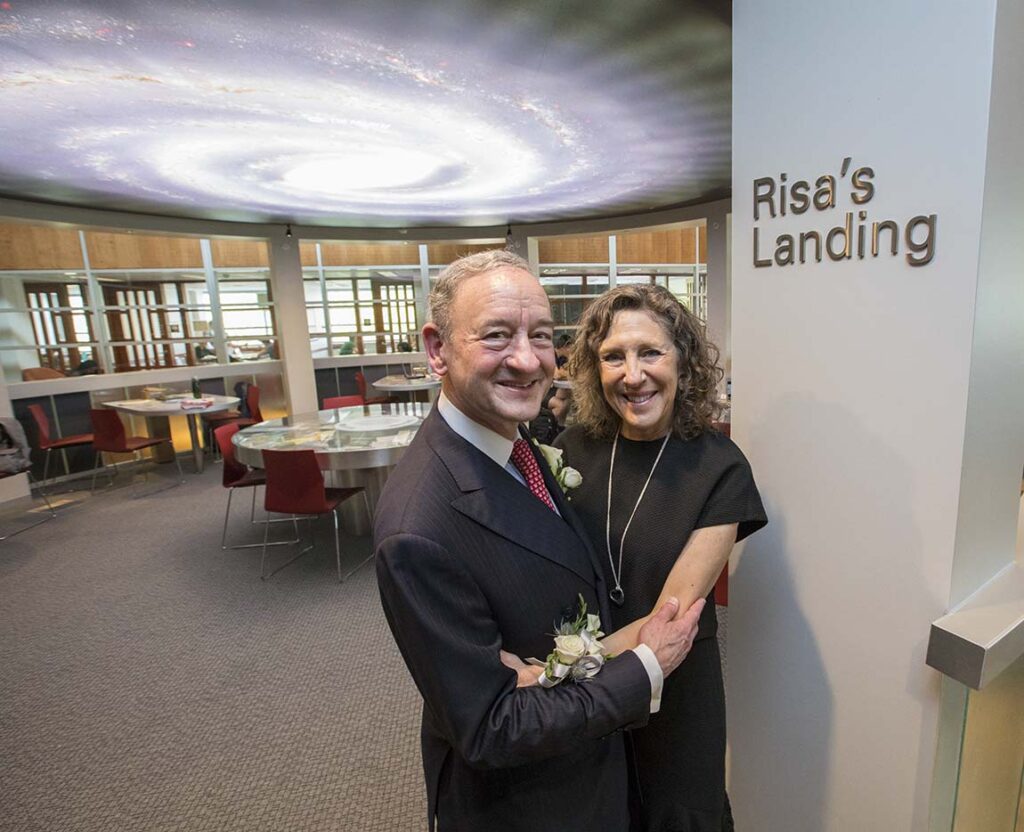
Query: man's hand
x: 669, y: 637
x: 527, y: 674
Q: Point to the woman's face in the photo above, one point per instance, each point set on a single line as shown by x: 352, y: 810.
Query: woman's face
x: 639, y: 374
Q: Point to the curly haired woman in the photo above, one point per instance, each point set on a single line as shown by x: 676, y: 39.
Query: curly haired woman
x: 664, y: 498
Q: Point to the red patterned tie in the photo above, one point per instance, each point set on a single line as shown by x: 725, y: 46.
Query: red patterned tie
x: 525, y: 461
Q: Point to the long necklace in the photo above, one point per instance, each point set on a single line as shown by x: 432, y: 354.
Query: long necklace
x: 616, y: 593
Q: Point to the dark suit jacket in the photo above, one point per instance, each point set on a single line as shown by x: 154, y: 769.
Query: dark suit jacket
x: 469, y: 561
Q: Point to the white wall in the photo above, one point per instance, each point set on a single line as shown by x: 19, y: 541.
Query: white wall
x: 850, y: 391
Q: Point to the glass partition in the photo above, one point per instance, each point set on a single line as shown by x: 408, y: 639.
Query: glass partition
x: 989, y: 791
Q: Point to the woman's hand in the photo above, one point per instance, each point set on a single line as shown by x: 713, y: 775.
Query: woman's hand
x: 527, y: 674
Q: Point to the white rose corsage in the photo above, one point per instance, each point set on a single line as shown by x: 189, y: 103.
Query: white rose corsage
x: 578, y: 654
x: 566, y: 477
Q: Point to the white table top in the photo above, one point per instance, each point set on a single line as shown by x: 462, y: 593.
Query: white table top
x: 346, y: 438
x: 401, y: 384
x: 172, y: 407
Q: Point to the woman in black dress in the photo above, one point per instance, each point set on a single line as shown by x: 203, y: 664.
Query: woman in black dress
x: 664, y: 498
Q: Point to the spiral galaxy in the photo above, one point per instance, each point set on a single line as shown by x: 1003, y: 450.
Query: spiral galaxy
x: 318, y: 112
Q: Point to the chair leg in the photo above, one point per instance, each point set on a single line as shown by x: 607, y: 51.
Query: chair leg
x: 46, y: 470
x: 338, y: 545
x: 227, y: 512
x: 267, y: 522
x: 145, y: 475
x: 50, y: 515
x: 49, y: 506
x: 95, y: 471
x: 263, y: 559
x: 255, y: 522
x: 296, y: 556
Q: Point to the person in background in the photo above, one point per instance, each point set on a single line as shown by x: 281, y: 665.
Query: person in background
x: 552, y: 417
x: 563, y: 348
x: 87, y: 367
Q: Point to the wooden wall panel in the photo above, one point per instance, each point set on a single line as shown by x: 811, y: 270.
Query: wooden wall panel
x: 367, y: 254
x: 233, y: 254
x: 307, y: 253
x: 703, y: 244
x: 141, y: 251
x: 24, y: 246
x: 675, y: 245
x: 574, y: 249
x: 441, y: 254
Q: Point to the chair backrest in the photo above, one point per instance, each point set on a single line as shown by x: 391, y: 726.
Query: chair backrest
x: 41, y: 374
x: 233, y: 469
x: 333, y: 402
x: 42, y: 425
x: 361, y: 384
x: 295, y: 483
x: 252, y: 401
x: 108, y: 431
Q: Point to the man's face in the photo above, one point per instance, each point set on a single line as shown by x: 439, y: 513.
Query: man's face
x: 498, y: 361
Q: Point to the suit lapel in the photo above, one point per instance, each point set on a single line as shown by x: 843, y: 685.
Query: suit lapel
x: 567, y: 511
x: 494, y: 499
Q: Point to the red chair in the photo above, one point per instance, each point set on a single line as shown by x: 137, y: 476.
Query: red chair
x: 47, y: 444
x: 361, y: 384
x: 212, y: 421
x: 295, y: 485
x: 335, y: 402
x: 109, y: 436
x: 237, y: 475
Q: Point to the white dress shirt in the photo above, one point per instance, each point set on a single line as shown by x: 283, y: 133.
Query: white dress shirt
x: 498, y: 448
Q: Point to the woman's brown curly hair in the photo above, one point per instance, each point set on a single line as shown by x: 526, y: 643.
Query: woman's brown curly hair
x: 696, y: 404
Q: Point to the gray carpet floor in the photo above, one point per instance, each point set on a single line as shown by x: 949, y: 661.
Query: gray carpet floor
x: 150, y: 681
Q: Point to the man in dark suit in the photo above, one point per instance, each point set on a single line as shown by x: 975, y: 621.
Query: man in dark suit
x: 478, y: 551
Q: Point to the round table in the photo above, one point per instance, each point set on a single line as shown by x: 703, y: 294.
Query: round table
x: 403, y: 384
x: 173, y: 407
x: 357, y: 446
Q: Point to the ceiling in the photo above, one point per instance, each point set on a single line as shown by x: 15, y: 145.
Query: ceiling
x: 368, y: 114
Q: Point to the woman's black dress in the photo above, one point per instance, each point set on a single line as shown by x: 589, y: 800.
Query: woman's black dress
x: 706, y: 481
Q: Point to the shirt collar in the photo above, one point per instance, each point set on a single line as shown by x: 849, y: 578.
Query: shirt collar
x: 492, y: 444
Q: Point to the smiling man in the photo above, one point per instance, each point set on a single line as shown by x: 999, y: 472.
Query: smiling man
x: 478, y: 552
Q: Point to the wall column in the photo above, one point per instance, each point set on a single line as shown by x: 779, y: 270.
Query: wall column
x: 292, y: 328
x: 878, y: 394
x: 718, y: 284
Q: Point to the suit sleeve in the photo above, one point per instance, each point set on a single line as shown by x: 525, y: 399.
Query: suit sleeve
x: 450, y: 642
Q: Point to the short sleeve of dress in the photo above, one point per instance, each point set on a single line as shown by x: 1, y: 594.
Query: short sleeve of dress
x: 734, y: 497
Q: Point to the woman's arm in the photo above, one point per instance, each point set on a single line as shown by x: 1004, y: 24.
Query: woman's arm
x: 694, y: 573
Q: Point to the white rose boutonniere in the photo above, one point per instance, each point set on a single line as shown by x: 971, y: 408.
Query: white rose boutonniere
x: 566, y: 477
x: 578, y: 654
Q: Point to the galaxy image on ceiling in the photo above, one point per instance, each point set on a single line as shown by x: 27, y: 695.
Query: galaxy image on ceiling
x: 365, y: 113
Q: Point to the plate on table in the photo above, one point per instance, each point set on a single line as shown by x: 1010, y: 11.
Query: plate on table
x: 374, y: 424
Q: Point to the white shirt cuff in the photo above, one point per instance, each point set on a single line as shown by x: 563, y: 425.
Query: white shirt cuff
x: 650, y: 663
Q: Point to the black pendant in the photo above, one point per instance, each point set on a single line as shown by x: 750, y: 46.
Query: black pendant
x: 618, y: 596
